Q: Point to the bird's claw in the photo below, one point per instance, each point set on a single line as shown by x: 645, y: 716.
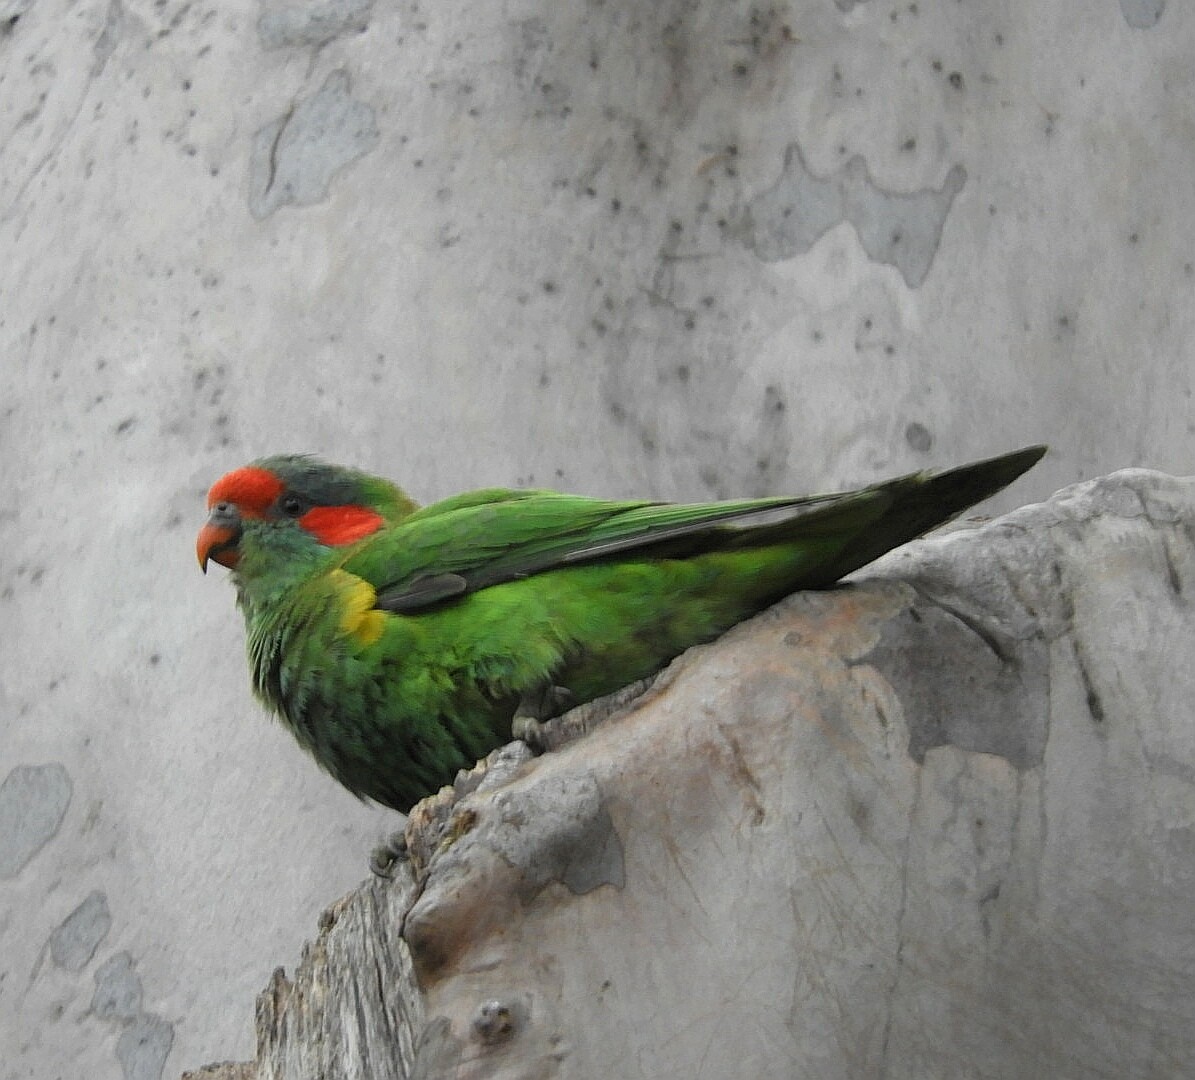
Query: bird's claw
x: 536, y: 707
x: 387, y: 854
x: 529, y: 730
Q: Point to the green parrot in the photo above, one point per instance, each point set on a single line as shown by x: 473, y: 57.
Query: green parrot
x: 400, y: 644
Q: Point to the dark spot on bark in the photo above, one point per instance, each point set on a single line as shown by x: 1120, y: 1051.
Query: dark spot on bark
x: 919, y: 437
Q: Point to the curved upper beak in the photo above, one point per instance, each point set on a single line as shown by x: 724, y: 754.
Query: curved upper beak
x: 219, y: 537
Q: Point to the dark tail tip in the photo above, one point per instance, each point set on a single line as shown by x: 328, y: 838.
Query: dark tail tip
x: 954, y: 490
x: 924, y: 501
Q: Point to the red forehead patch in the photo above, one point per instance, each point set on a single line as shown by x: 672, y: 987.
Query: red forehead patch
x: 251, y: 490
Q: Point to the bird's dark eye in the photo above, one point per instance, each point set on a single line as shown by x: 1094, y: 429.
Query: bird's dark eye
x: 292, y: 505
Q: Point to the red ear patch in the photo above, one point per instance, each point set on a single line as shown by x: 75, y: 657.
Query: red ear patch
x: 251, y: 490
x: 335, y: 526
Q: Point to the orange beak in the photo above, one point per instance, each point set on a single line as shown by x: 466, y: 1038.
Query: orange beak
x: 217, y: 541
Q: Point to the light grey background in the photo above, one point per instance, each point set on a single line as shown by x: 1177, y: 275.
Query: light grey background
x: 682, y: 250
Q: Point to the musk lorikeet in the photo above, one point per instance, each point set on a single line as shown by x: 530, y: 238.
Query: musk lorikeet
x: 398, y: 644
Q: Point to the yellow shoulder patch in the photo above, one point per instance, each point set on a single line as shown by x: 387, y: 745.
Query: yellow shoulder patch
x: 359, y: 618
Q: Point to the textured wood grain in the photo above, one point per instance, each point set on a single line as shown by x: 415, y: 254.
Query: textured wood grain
x: 351, y: 1010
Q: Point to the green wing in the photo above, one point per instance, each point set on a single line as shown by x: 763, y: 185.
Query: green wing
x: 442, y: 553
x: 485, y: 538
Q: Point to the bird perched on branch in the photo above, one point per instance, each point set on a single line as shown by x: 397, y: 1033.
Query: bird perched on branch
x: 400, y: 644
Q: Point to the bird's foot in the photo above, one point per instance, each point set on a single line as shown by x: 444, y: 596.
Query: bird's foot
x: 529, y: 730
x: 535, y: 707
x: 388, y: 854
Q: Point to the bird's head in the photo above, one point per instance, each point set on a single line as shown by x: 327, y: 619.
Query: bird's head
x: 295, y: 498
